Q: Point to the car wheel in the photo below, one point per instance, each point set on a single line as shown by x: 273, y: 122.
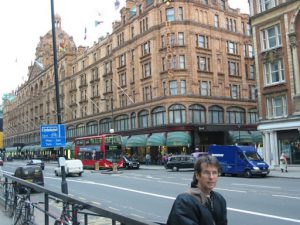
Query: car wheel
x: 79, y: 174
x: 56, y: 173
x: 247, y: 173
x: 175, y: 168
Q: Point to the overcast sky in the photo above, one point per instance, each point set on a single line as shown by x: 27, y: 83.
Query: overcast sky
x: 22, y: 23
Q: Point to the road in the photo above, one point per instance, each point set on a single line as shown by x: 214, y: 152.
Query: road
x: 150, y: 194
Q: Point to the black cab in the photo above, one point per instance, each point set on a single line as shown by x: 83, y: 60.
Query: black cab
x: 177, y: 162
x: 32, y: 174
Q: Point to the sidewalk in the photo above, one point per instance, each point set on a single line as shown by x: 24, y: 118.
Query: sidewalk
x: 5, y: 220
x: 293, y: 171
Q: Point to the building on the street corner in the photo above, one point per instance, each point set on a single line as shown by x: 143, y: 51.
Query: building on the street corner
x: 276, y: 39
x: 173, y: 77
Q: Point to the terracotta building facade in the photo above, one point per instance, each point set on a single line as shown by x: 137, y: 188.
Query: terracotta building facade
x: 186, y: 67
x: 276, y: 37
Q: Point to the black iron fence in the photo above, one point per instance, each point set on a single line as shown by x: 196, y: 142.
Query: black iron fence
x: 85, y: 209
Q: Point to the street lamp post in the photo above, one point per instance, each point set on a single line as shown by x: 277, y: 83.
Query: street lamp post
x: 239, y: 126
x: 112, y: 129
x: 64, y: 185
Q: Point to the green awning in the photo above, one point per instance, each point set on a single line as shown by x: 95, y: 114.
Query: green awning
x: 69, y: 145
x: 178, y: 138
x: 137, y: 141
x: 256, y: 136
x: 26, y: 148
x: 124, y: 140
x: 156, y: 139
x: 240, y: 136
x: 11, y: 149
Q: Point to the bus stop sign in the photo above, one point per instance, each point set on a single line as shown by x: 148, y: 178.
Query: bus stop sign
x: 53, y: 135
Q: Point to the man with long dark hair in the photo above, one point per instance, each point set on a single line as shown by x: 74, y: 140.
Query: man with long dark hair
x: 201, y: 205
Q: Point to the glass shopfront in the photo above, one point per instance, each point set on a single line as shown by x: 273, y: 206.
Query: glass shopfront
x: 289, y: 144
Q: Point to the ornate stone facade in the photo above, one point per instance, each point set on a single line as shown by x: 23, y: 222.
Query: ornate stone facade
x: 186, y: 66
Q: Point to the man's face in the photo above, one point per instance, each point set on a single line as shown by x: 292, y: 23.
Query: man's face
x: 208, y: 177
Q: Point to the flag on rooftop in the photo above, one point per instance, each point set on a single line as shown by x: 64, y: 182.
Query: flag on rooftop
x: 85, y: 30
x: 117, y: 4
x: 97, y: 22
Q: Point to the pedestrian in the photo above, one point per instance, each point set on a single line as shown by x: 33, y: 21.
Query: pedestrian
x: 148, y: 159
x: 283, y: 163
x: 200, y: 205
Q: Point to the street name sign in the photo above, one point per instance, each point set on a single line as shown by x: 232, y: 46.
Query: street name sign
x: 53, y: 135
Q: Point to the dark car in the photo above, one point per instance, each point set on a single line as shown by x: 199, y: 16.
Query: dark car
x: 130, y: 163
x: 177, y: 162
x: 36, y: 162
x: 32, y: 174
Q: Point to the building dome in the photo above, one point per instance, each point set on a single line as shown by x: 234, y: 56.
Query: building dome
x: 64, y: 44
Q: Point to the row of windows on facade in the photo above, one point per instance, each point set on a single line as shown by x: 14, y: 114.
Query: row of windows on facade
x: 174, y: 88
x: 176, y: 115
x: 201, y: 41
x: 174, y: 63
x: 264, y: 5
x: 230, y: 24
x: 276, y: 108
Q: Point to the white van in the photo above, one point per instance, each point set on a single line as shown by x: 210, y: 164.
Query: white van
x: 72, y: 166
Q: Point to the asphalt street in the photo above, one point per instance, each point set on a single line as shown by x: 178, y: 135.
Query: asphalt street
x: 149, y: 193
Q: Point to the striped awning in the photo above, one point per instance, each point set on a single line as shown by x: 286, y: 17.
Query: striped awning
x: 124, y: 140
x: 137, y: 141
x: 241, y: 137
x: 178, y: 138
x: 11, y: 149
x: 156, y: 139
x: 257, y: 136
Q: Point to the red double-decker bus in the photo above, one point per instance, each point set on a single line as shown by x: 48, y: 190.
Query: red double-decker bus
x: 104, y: 150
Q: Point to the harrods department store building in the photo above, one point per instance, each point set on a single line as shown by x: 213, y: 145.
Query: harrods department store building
x: 184, y: 68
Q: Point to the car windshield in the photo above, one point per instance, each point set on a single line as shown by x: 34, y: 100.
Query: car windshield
x: 253, y: 156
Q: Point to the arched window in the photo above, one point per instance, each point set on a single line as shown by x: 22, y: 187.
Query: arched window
x: 121, y: 123
x: 158, y: 116
x: 235, y: 115
x: 143, y: 119
x: 252, y: 116
x: 92, y: 128
x: 80, y: 130
x: 133, y: 120
x: 71, y: 132
x: 177, y: 114
x: 197, y: 114
x: 216, y: 115
x: 105, y: 125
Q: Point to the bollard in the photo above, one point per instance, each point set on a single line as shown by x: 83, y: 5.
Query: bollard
x: 96, y: 165
x: 115, y: 167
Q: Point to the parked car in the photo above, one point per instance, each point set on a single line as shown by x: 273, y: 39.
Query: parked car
x: 1, y: 161
x: 32, y: 174
x: 36, y: 162
x: 72, y: 166
x: 177, y: 162
x: 9, y: 159
x: 130, y: 163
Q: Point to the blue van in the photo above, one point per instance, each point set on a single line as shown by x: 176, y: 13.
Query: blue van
x: 239, y: 160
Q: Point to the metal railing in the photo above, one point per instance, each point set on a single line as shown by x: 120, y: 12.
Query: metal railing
x: 86, y: 208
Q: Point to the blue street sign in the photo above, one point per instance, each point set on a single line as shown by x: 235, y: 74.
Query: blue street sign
x: 53, y: 135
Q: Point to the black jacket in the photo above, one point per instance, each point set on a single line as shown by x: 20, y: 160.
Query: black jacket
x: 188, y: 210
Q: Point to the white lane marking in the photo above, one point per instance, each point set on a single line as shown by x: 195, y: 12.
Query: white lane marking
x: 137, y: 216
x: 168, y: 182
x: 232, y: 190
x: 286, y: 196
x: 263, y: 215
x: 173, y: 198
x: 114, y: 208
x: 252, y: 185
